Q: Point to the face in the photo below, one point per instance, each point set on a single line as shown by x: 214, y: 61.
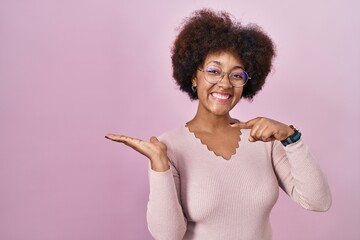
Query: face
x: 221, y: 97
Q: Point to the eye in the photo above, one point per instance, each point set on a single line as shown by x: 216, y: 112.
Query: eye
x: 238, y: 75
x: 213, y: 71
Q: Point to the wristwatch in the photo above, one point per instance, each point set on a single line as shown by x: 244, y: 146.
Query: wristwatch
x: 292, y: 138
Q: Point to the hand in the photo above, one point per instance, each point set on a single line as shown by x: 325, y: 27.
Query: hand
x: 154, y: 150
x: 265, y: 129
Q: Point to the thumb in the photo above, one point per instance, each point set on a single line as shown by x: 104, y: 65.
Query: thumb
x: 154, y: 140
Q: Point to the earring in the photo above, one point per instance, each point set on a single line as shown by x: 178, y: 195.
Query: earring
x: 193, y: 88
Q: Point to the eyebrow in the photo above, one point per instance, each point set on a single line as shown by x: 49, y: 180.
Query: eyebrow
x: 219, y: 63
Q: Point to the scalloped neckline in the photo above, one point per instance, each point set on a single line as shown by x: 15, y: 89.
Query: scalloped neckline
x: 213, y: 152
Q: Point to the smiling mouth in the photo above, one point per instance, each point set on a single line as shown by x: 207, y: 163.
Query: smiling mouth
x: 221, y: 96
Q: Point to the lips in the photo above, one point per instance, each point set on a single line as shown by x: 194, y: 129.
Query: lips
x: 221, y: 96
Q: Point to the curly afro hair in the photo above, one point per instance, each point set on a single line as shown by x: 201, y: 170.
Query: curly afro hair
x: 206, y: 32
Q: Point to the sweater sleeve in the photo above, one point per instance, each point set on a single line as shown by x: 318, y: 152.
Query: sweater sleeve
x: 300, y: 176
x: 165, y: 217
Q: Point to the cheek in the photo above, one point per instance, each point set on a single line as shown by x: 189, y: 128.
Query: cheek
x: 204, y: 87
x: 238, y: 93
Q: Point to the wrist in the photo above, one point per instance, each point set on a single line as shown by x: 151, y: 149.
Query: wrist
x: 293, y: 137
x: 160, y: 164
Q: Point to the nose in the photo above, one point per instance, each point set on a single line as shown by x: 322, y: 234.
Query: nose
x: 225, y: 82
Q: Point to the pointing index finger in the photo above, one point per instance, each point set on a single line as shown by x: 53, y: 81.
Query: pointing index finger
x: 241, y: 125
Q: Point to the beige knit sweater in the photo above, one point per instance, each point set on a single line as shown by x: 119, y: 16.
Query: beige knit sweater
x: 205, y: 197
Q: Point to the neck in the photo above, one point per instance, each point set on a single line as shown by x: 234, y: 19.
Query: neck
x: 209, y: 122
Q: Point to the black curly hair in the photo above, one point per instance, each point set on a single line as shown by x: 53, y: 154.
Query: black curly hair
x: 206, y: 32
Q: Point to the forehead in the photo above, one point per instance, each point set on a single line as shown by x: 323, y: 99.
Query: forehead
x: 223, y: 58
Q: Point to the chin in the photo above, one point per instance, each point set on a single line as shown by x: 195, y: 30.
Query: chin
x: 222, y: 112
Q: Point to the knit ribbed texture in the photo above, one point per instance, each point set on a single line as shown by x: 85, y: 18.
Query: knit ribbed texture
x: 203, y: 196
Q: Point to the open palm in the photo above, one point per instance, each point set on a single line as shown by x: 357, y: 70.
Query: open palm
x: 154, y: 149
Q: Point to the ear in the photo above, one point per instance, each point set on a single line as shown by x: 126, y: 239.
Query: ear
x: 193, y: 82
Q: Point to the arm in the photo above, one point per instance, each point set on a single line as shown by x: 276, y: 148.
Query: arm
x: 164, y: 213
x: 297, y: 172
x: 300, y: 176
x: 165, y: 217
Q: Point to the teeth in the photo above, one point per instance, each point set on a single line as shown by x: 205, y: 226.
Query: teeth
x: 221, y: 96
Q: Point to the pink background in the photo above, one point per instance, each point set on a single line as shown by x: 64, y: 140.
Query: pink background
x: 72, y: 71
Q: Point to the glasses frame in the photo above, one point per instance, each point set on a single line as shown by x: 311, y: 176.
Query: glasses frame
x: 228, y: 75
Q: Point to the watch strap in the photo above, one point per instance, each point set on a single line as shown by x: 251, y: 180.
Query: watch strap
x: 292, y: 138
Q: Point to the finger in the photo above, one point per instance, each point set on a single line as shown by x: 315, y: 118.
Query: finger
x: 251, y: 123
x: 246, y: 125
x: 267, y: 135
x: 154, y: 140
x: 241, y: 125
x: 251, y: 139
x: 255, y: 133
x: 135, y: 143
x: 114, y: 137
x: 269, y: 139
x: 123, y: 139
x: 263, y: 138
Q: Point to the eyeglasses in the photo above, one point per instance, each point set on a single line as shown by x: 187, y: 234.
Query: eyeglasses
x: 238, y: 77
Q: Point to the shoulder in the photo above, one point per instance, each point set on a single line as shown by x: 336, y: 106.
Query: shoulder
x: 175, y: 138
x: 171, y: 134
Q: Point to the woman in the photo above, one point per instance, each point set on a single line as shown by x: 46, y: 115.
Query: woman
x: 217, y: 177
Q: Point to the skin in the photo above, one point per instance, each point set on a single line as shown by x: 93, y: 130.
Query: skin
x: 210, y: 106
x: 212, y: 123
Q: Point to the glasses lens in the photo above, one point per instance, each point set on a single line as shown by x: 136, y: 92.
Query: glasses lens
x: 213, y: 74
x: 238, y: 77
